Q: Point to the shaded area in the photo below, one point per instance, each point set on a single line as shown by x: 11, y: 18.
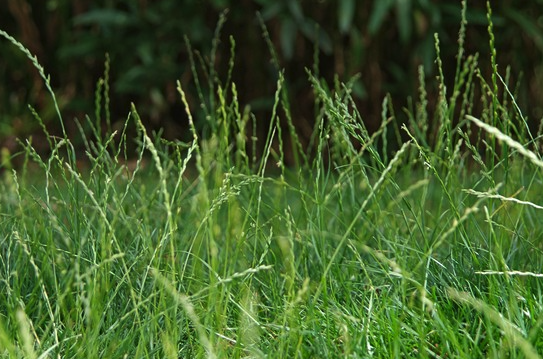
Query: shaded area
x: 383, y: 41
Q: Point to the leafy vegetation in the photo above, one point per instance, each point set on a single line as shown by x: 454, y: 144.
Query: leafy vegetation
x: 420, y: 239
x: 144, y: 40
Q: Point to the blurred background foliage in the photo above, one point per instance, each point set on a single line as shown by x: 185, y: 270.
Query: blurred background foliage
x: 385, y: 41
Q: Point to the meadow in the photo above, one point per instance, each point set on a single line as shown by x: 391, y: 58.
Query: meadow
x: 421, y: 239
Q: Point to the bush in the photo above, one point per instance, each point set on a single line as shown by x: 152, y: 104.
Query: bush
x: 385, y: 41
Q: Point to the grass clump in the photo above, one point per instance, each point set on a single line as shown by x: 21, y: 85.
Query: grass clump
x: 204, y: 249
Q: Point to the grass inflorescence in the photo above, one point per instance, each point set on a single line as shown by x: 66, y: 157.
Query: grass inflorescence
x: 217, y: 248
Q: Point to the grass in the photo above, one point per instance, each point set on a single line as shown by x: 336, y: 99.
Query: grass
x: 204, y: 249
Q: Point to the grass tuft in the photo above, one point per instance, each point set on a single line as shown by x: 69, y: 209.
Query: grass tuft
x: 367, y: 245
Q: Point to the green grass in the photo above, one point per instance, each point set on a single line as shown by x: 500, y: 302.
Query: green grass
x: 431, y: 249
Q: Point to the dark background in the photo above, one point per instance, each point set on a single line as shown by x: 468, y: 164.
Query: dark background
x: 382, y: 40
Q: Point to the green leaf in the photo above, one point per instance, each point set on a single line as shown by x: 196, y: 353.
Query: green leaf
x: 313, y: 32
x: 404, y: 16
x: 103, y: 17
x: 272, y: 10
x: 288, y: 35
x: 381, y: 8
x: 296, y: 10
x: 346, y: 11
x: 86, y: 44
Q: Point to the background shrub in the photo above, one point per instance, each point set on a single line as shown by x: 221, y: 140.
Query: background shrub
x: 384, y: 41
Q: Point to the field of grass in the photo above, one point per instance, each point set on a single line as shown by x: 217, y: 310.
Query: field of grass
x: 423, y: 239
